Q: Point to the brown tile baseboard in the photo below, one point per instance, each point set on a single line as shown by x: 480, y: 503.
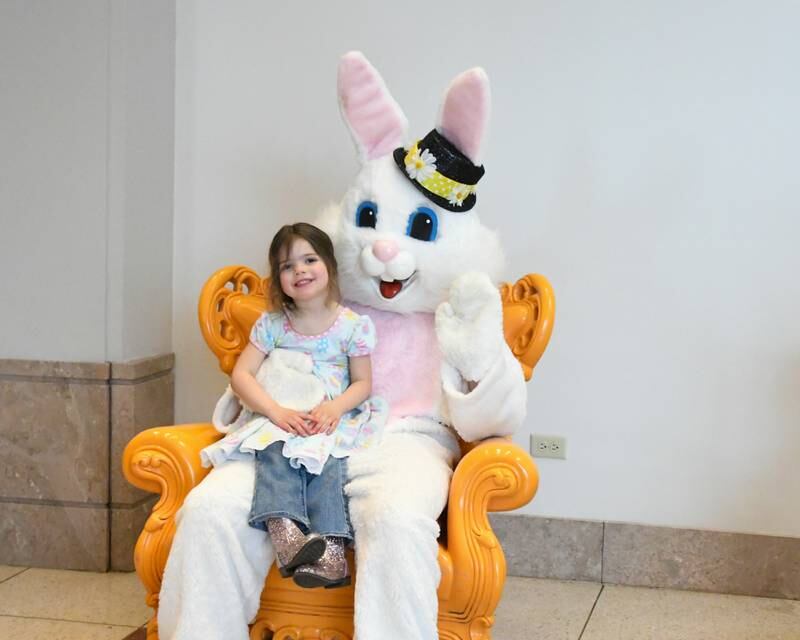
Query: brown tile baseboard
x: 64, y: 503
x: 142, y: 368
x: 736, y: 563
x: 126, y: 524
x: 550, y: 548
x: 54, y: 536
x: 650, y: 556
x: 51, y: 369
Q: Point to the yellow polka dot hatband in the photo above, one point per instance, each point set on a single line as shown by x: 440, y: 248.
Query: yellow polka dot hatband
x: 439, y: 170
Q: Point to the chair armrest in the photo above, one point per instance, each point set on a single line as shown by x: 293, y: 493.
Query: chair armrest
x: 168, y: 457
x: 496, y: 475
x: 164, y: 460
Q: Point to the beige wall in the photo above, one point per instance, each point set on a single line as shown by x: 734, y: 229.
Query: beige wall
x: 641, y: 155
x: 140, y: 181
x: 53, y: 168
x: 86, y: 158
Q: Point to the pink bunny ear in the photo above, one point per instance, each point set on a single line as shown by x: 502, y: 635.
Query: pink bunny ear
x: 465, y: 112
x: 376, y: 122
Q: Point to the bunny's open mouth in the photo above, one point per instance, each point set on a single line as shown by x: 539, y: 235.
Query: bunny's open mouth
x: 390, y: 289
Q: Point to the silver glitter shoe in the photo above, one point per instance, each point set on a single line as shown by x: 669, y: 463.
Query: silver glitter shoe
x: 292, y: 547
x: 330, y: 571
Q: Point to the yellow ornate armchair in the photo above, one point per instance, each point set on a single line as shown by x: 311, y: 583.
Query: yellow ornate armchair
x: 494, y: 475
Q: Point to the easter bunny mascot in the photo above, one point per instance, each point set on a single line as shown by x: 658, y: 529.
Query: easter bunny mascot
x: 404, y: 234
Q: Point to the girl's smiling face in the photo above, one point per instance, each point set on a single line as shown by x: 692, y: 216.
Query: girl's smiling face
x: 303, y: 274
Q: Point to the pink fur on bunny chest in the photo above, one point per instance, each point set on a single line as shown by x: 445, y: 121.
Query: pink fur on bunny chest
x: 406, y: 362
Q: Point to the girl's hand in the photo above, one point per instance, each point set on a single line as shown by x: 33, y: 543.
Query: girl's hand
x: 294, y: 422
x: 327, y: 416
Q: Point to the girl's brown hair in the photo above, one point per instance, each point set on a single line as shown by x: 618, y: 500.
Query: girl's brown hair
x: 282, y: 242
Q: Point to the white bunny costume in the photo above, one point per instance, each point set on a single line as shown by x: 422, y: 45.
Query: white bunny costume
x: 441, y: 362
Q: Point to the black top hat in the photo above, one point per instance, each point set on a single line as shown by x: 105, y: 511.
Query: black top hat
x: 439, y: 170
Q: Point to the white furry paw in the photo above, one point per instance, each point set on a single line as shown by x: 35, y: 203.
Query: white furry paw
x: 469, y: 325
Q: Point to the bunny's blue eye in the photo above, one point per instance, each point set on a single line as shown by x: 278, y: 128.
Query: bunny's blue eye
x: 367, y: 214
x: 423, y: 224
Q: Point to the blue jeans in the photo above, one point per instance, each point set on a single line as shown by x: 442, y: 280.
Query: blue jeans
x: 316, y: 503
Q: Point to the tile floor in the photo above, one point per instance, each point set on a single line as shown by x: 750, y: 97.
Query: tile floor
x: 43, y: 604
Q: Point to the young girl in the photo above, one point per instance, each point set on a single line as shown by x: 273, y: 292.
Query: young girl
x: 301, y: 456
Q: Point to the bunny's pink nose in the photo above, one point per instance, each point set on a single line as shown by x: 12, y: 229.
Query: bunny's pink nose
x: 384, y: 250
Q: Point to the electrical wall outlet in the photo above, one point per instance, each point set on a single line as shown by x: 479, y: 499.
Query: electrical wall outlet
x: 548, y: 446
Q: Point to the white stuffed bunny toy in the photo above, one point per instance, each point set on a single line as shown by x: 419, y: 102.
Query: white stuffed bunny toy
x: 288, y: 379
x: 286, y: 376
x: 413, y: 255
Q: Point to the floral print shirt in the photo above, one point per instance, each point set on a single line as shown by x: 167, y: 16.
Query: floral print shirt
x: 350, y: 335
